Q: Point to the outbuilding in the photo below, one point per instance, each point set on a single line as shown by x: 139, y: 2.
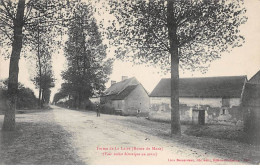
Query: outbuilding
x: 202, y: 100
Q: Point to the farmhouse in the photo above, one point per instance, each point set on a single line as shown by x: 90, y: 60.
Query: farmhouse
x: 202, y: 100
x: 126, y: 97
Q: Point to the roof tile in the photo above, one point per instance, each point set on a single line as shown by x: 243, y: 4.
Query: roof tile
x: 228, y: 86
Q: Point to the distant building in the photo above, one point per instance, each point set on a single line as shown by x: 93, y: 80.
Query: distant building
x: 202, y: 100
x: 126, y: 97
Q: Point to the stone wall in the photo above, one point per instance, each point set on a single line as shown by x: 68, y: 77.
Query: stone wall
x: 137, y: 99
x: 215, y: 113
x: 119, y: 105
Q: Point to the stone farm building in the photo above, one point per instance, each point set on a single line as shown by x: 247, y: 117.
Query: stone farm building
x: 126, y: 97
x: 202, y: 100
x: 251, y: 105
x: 251, y: 108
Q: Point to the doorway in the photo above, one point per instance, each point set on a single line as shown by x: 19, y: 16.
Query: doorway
x: 201, y: 117
x: 198, y: 117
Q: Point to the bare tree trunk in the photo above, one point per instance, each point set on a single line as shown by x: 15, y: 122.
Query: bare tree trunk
x: 172, y: 31
x: 9, y: 118
x: 75, y: 102
x: 40, y: 95
x: 80, y: 100
x: 40, y: 66
x: 42, y: 102
x: 70, y: 103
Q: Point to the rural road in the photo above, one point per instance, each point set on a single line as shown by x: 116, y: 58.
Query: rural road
x: 105, y: 140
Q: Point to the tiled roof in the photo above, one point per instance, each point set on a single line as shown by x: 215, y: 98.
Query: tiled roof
x: 120, y: 86
x: 226, y: 87
x: 122, y: 95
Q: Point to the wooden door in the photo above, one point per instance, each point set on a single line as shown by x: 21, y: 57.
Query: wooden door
x: 201, y: 117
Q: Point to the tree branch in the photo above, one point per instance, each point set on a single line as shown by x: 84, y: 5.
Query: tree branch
x: 5, y: 22
x: 190, y: 38
x: 28, y: 12
x: 37, y: 17
x: 150, y: 47
x: 7, y: 10
x: 6, y: 33
x: 165, y: 45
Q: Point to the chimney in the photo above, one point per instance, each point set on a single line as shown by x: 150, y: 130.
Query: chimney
x: 113, y: 82
x: 124, y: 78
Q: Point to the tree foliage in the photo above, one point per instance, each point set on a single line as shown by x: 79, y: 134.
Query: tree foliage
x: 43, y: 77
x: 47, y: 13
x: 171, y: 34
x: 16, y: 17
x: 87, y: 68
x: 25, y: 97
x: 205, y: 29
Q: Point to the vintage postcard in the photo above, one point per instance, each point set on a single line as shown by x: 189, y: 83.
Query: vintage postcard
x: 140, y: 82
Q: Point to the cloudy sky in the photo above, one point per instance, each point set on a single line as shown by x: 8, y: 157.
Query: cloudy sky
x: 241, y: 61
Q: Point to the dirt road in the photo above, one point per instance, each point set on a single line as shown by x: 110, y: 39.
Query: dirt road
x: 108, y: 140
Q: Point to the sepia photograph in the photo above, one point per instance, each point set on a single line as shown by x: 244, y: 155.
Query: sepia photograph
x: 130, y: 82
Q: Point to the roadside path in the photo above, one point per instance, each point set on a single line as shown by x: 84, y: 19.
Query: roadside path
x: 94, y: 137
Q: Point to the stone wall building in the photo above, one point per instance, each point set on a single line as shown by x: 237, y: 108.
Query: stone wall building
x: 202, y: 100
x: 126, y: 97
x: 251, y: 108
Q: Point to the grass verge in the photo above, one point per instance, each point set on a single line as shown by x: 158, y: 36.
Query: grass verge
x: 36, y: 141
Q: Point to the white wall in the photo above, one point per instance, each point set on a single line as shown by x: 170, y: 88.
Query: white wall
x: 95, y: 100
x: 118, y: 104
x: 159, y: 100
x: 158, y: 105
x: 234, y: 101
x: 137, y: 99
x: 213, y: 102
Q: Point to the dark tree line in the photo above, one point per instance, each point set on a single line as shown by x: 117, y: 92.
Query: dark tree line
x: 25, y: 96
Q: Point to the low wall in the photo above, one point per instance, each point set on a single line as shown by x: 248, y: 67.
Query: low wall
x: 213, y: 115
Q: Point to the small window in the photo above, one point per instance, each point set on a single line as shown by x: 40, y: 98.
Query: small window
x: 223, y: 111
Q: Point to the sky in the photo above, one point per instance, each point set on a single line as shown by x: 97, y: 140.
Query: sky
x: 244, y: 60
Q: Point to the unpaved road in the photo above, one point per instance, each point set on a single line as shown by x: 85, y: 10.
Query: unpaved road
x: 96, y: 140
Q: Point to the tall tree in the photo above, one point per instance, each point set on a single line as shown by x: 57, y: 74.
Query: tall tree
x: 18, y: 21
x: 44, y: 45
x: 88, y: 68
x: 16, y: 17
x: 187, y: 34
